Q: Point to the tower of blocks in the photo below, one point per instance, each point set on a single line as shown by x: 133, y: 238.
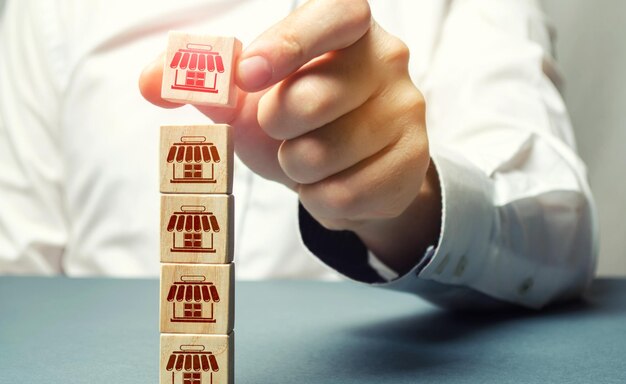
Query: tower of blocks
x: 197, y: 213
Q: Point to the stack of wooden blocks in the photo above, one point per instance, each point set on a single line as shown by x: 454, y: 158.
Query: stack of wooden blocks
x: 197, y: 217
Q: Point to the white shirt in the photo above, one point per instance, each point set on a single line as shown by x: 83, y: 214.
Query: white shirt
x: 78, y: 147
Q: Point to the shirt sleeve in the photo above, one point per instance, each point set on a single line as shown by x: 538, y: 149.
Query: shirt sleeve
x: 33, y: 230
x: 518, y: 221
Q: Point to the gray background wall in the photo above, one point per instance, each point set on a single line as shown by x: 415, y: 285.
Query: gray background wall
x: 591, y: 48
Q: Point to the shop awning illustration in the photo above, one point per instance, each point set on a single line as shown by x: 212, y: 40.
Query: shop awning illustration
x: 192, y: 358
x: 192, y: 299
x: 197, y: 67
x: 192, y: 229
x: 193, y: 218
x: 192, y: 160
x: 199, y: 57
x: 193, y: 149
x: 193, y: 288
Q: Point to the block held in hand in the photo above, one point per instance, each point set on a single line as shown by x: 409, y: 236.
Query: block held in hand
x: 200, y: 69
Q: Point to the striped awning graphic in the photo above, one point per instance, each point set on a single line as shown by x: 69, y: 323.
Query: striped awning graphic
x: 193, y: 288
x: 192, y: 358
x: 193, y: 149
x: 198, y: 57
x: 193, y: 219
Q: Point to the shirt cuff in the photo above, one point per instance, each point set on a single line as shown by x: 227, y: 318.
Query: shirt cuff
x: 445, y: 272
x: 466, y: 229
x: 466, y: 221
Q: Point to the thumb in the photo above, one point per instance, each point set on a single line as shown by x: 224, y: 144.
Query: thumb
x: 150, y: 83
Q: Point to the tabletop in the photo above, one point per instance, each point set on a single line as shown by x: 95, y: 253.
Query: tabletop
x: 61, y: 330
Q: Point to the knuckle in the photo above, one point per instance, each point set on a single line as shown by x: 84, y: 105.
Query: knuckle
x: 340, y: 200
x: 308, y: 100
x: 414, y: 105
x: 294, y: 106
x: 415, y: 100
x: 396, y: 53
x: 269, y: 117
x: 303, y: 159
x: 326, y: 204
x: 290, y: 45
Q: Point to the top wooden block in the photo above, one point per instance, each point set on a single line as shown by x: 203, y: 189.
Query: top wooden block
x: 199, y: 69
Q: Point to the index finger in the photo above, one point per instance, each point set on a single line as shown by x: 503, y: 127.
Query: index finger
x: 317, y: 27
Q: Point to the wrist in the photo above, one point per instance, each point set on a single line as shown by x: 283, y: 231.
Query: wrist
x: 401, y: 241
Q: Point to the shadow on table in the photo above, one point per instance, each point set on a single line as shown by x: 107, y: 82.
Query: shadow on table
x: 434, y: 338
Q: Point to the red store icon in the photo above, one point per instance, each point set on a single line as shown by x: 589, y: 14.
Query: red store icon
x: 197, y: 68
x: 192, y: 365
x: 192, y: 229
x: 192, y: 160
x: 195, y: 297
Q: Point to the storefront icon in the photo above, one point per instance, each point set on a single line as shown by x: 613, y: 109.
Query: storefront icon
x: 191, y: 364
x: 192, y: 300
x: 192, y: 160
x: 196, y: 68
x: 192, y: 229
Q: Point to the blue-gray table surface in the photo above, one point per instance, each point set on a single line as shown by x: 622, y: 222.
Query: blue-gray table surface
x: 60, y: 330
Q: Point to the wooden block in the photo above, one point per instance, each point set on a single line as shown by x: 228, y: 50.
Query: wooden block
x: 198, y: 69
x: 197, y: 229
x: 196, y: 159
x: 197, y: 359
x: 197, y: 298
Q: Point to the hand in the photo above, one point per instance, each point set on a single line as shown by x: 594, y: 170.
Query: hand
x: 329, y: 110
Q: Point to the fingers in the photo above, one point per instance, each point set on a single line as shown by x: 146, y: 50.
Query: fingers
x: 380, y: 187
x: 318, y: 93
x: 317, y: 27
x: 362, y: 171
x: 150, y: 84
x: 334, y: 85
x: 256, y: 149
x: 354, y: 131
x: 338, y: 145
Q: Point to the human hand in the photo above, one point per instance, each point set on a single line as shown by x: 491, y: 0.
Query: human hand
x: 329, y: 110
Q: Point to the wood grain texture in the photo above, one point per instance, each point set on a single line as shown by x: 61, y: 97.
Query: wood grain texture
x: 197, y: 298
x: 196, y: 159
x: 209, y: 358
x: 198, y: 69
x: 197, y: 229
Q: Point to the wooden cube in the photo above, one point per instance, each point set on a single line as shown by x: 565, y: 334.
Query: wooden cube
x: 199, y: 69
x: 196, y: 159
x: 197, y: 229
x: 197, y: 298
x: 197, y: 359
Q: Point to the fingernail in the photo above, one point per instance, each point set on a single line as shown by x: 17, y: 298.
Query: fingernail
x: 254, y: 72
